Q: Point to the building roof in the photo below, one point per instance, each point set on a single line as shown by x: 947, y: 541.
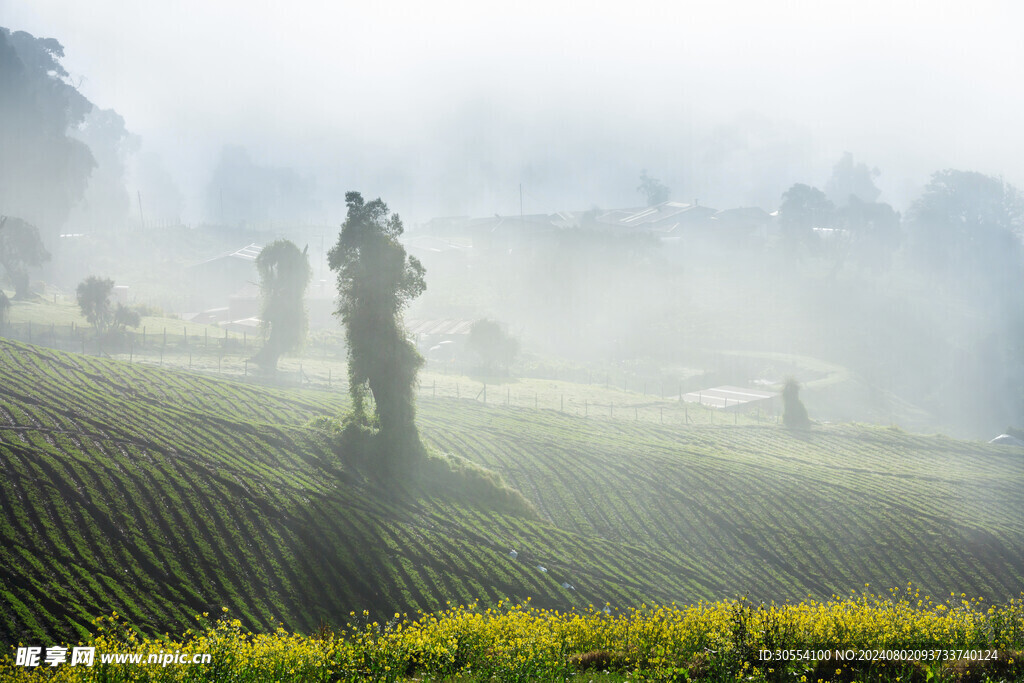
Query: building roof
x: 433, y: 245
x: 664, y: 217
x: 727, y: 396
x: 446, y: 326
x: 246, y: 254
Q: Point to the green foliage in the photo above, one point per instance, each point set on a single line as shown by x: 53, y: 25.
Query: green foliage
x: 43, y: 171
x: 284, y: 275
x: 794, y: 414
x: 495, y: 347
x: 20, y: 249
x: 376, y: 280
x: 93, y: 296
x: 456, y: 478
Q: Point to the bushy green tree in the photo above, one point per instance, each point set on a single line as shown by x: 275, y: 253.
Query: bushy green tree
x: 376, y: 280
x: 284, y: 275
x: 492, y: 344
x: 93, y: 295
x: 21, y: 248
x: 655, y: 191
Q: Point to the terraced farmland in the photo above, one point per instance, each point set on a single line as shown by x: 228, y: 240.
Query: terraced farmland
x: 160, y: 494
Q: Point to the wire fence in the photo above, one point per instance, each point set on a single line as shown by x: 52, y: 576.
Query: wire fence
x: 322, y: 365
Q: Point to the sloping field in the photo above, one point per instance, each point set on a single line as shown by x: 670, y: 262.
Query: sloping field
x: 160, y: 494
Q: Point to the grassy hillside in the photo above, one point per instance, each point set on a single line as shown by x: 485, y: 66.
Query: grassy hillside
x: 160, y: 494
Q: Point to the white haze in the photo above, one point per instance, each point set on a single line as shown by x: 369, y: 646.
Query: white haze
x: 445, y: 107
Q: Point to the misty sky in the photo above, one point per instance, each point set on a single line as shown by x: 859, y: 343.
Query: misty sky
x: 447, y: 105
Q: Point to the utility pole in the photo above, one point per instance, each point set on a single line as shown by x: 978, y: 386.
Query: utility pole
x: 142, y: 221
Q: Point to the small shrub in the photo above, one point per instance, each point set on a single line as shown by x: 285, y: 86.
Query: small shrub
x: 458, y: 478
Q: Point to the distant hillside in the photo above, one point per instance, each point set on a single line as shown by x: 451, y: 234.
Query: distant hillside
x: 160, y: 494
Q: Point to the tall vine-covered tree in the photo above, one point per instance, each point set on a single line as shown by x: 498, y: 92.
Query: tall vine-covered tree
x: 376, y: 281
x: 284, y: 275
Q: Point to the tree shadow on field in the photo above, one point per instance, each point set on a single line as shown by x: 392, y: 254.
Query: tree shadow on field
x: 371, y: 542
